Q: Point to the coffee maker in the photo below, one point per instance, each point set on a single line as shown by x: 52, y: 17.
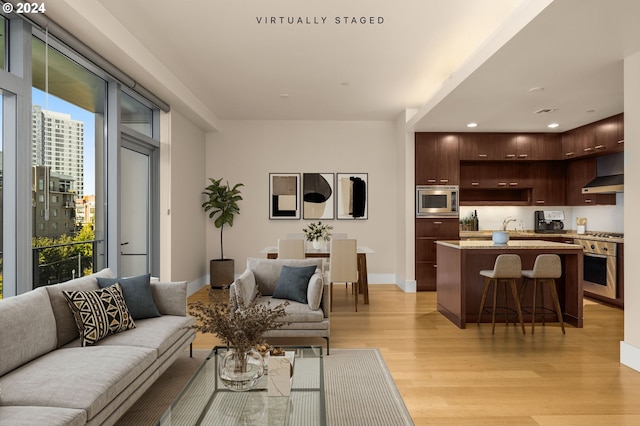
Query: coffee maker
x: 549, y: 221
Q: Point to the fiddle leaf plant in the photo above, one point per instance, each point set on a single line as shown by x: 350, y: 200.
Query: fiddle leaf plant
x: 222, y: 205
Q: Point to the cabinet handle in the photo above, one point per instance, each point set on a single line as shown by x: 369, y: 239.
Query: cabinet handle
x: 523, y: 155
x: 431, y: 180
x: 621, y: 141
x: 475, y: 183
x: 502, y: 183
x: 569, y: 154
x: 587, y: 201
x: 444, y: 180
x: 540, y: 202
x: 513, y: 183
x: 482, y: 155
x: 437, y: 223
x: 588, y: 149
x: 435, y: 266
x: 600, y: 146
x: 510, y: 155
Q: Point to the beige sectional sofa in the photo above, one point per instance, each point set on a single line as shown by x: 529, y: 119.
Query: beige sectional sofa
x: 306, y: 318
x: 47, y: 377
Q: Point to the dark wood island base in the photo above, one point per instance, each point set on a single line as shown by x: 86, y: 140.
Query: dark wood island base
x: 460, y: 284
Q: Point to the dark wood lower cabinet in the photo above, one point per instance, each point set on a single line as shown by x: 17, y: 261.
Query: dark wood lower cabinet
x: 428, y: 231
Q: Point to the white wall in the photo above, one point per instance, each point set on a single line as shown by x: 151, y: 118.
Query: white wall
x: 247, y: 151
x: 630, y: 348
x: 182, y: 169
x: 599, y: 218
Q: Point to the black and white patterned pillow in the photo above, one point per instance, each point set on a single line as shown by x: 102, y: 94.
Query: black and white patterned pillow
x: 99, y: 313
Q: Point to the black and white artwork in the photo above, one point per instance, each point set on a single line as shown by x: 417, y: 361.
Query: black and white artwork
x: 317, y: 196
x: 352, y: 195
x: 284, y: 195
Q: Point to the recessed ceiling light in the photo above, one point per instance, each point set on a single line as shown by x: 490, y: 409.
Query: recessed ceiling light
x: 553, y: 125
x: 472, y: 125
x: 284, y: 95
x: 536, y: 89
x: 591, y: 110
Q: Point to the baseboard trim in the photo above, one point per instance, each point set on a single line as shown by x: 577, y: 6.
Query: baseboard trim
x: 630, y: 355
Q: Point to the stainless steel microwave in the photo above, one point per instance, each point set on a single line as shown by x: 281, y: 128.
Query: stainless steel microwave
x: 436, y: 200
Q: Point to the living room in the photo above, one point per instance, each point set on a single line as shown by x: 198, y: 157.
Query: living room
x: 198, y: 141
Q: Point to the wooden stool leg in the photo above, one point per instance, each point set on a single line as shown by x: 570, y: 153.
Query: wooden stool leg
x: 495, y: 303
x: 533, y: 309
x: 484, y: 297
x: 516, y: 299
x: 556, y: 302
x: 506, y: 303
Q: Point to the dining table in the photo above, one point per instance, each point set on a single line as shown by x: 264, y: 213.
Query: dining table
x: 363, y: 282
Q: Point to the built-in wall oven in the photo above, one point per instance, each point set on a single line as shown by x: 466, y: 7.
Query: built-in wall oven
x: 600, y: 270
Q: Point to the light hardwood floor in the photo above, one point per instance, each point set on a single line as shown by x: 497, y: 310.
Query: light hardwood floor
x: 449, y: 376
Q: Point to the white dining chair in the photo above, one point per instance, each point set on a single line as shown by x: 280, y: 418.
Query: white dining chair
x: 290, y: 249
x: 343, y: 256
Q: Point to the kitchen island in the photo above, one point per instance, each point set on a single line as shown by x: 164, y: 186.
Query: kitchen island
x: 460, y: 285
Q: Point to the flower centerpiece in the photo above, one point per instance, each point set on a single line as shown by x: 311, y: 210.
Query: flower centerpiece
x: 317, y: 233
x: 242, y: 328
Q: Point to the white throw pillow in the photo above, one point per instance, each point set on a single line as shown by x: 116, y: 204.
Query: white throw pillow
x: 314, y: 291
x: 246, y: 289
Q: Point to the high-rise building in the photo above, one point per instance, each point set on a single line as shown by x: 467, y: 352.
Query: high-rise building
x: 58, y: 142
x: 53, y: 203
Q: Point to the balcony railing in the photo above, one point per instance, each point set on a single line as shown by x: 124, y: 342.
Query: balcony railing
x: 58, y: 268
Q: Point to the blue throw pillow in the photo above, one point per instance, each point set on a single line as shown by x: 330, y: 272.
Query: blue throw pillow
x: 293, y: 283
x: 137, y: 295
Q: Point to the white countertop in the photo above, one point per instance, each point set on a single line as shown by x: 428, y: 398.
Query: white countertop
x: 274, y: 249
x: 511, y: 244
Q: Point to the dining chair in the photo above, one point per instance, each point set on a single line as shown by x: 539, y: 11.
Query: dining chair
x: 335, y: 236
x: 343, y: 256
x: 290, y: 249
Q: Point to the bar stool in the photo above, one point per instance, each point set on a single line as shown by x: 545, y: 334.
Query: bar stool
x: 506, y: 270
x: 546, y: 269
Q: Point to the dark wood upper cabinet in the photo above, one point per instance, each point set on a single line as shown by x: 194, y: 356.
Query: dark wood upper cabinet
x: 437, y: 159
x: 510, y: 146
x: 609, y: 134
x: 548, y: 187
x: 568, y: 145
x: 578, y: 173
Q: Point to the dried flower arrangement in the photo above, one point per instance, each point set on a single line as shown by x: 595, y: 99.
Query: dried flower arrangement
x: 317, y: 231
x: 242, y: 328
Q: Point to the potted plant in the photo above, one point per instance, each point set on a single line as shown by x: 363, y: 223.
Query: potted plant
x: 241, y: 327
x: 317, y: 233
x: 222, y: 205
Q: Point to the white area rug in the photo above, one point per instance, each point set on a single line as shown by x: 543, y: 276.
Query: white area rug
x: 359, y: 390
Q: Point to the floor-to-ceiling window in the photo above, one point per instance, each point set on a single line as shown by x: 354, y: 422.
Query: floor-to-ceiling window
x: 62, y: 119
x: 68, y: 112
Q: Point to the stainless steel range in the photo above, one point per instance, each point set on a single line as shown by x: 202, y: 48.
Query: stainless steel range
x: 600, y: 270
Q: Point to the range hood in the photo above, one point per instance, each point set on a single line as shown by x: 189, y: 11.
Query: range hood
x: 609, y: 176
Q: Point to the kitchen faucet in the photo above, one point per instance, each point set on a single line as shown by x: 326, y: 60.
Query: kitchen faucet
x: 507, y: 220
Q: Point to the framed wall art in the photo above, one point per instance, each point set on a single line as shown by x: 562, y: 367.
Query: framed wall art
x: 317, y: 196
x: 352, y: 190
x: 284, y: 195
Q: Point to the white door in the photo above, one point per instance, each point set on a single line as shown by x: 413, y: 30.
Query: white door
x: 135, y: 202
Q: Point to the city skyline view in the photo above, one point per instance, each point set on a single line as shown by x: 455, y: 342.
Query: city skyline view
x: 55, y: 104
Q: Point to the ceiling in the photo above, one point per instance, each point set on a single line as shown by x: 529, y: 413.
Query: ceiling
x: 452, y: 61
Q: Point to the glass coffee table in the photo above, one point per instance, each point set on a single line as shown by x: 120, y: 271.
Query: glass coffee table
x: 206, y: 401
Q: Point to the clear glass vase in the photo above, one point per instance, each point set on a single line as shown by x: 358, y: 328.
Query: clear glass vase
x: 241, y: 371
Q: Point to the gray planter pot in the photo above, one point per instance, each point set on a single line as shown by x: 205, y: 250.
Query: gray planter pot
x: 221, y: 272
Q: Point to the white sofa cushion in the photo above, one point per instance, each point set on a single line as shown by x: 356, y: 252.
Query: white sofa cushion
x: 82, y: 378
x: 27, y: 329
